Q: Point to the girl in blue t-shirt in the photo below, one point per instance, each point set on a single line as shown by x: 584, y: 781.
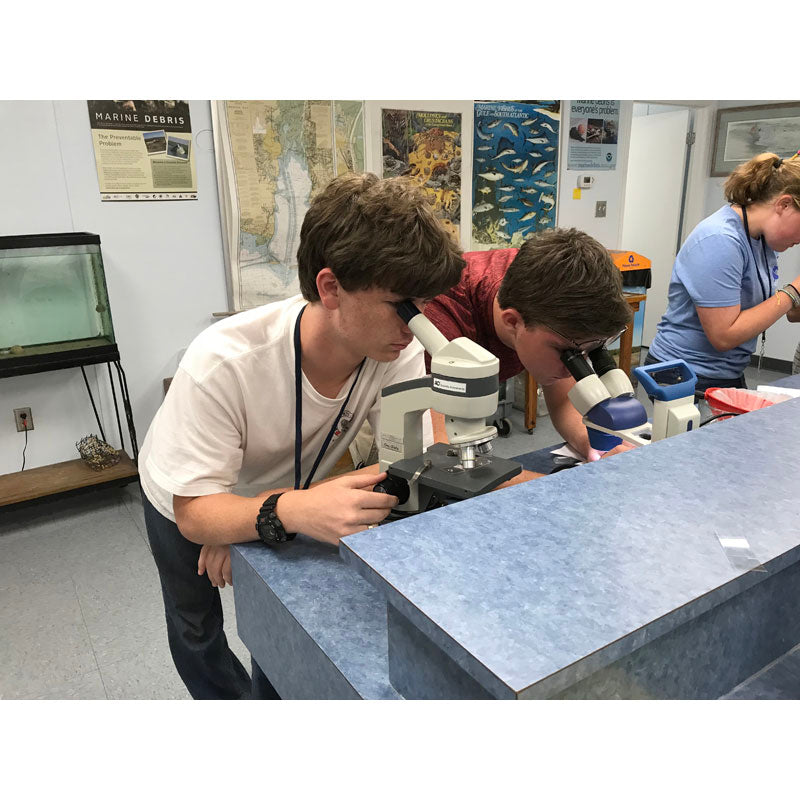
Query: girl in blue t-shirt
x: 722, y: 291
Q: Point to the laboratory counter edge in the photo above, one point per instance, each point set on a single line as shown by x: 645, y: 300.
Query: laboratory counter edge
x: 609, y: 580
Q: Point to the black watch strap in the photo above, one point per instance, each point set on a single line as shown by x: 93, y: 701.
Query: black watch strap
x: 269, y: 528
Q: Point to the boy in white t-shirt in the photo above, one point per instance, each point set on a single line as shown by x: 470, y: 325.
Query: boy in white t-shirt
x: 249, y: 410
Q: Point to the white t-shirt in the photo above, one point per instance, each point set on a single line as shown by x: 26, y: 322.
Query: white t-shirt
x: 228, y: 424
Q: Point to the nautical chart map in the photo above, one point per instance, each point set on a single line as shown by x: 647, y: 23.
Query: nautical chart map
x: 273, y: 157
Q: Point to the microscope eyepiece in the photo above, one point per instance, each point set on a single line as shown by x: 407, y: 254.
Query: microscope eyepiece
x: 577, y: 365
x: 602, y: 360
x: 407, y: 310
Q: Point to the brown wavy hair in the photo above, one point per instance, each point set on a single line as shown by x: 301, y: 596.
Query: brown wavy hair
x: 377, y: 233
x: 566, y: 279
x: 763, y: 178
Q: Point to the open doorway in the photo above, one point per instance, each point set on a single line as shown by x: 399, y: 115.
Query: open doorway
x: 655, y: 193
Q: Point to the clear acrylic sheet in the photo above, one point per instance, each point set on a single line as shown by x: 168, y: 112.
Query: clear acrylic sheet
x: 738, y: 551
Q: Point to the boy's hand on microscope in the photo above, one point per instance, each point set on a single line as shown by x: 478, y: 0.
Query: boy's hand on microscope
x: 596, y: 455
x: 335, y: 508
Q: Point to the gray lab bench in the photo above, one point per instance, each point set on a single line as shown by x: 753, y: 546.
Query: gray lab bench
x: 602, y: 581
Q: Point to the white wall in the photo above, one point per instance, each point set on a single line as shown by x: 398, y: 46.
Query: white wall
x: 163, y: 263
x: 609, y: 185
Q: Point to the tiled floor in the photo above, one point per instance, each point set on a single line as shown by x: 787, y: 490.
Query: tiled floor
x: 81, y: 614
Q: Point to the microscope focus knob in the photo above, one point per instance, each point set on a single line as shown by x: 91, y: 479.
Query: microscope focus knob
x: 396, y: 486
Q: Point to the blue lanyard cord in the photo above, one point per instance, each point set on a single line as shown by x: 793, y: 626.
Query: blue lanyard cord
x: 298, y: 410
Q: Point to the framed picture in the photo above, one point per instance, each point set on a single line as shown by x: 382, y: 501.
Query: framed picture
x: 746, y: 131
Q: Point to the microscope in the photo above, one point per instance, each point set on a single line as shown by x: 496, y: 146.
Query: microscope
x: 604, y: 396
x: 463, y: 385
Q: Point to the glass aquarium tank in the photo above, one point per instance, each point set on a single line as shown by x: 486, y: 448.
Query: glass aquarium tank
x: 54, y: 309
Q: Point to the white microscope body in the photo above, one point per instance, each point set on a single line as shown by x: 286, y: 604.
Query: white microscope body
x: 463, y: 386
x: 604, y: 396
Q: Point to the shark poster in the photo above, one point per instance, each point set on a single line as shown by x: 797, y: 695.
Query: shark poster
x: 426, y: 147
x: 514, y: 172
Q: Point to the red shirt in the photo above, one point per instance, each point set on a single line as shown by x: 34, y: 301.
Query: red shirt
x: 466, y: 309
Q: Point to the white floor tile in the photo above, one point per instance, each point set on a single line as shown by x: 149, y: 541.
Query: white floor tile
x: 147, y: 675
x: 86, y: 687
x: 43, y: 639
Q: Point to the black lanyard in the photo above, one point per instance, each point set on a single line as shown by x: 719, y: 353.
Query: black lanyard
x: 758, y: 271
x: 763, y: 250
x: 298, y: 410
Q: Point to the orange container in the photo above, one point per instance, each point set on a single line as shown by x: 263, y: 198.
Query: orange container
x: 738, y: 401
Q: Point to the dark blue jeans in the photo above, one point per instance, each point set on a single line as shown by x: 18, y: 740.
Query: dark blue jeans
x: 197, y: 641
x: 706, y: 382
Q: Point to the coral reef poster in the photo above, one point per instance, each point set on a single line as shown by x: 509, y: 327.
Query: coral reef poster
x: 426, y: 147
x: 514, y: 171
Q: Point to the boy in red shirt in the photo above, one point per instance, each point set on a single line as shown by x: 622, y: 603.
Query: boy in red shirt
x: 560, y: 290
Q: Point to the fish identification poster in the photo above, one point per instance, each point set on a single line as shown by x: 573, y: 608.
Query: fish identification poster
x: 514, y: 172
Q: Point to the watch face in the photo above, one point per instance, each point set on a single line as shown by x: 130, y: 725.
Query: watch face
x: 268, y: 526
x: 276, y: 531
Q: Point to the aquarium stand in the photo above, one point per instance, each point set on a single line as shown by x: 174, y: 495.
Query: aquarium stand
x: 65, y: 478
x: 47, y: 362
x: 73, y: 477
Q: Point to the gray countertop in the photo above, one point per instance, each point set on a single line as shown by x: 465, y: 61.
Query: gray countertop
x: 534, y: 587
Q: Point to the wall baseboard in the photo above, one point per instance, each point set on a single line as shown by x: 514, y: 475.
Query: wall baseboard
x: 775, y: 364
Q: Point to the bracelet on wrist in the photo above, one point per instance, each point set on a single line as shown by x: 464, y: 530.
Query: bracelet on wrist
x: 791, y: 292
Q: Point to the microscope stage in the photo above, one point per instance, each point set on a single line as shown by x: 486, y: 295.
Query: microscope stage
x: 457, y: 483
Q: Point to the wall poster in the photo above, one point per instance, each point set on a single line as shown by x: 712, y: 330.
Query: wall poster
x: 515, y: 171
x: 273, y: 158
x: 426, y: 147
x: 143, y: 149
x: 593, y: 131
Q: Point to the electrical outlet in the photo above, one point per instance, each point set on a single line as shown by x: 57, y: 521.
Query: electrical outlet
x: 600, y: 208
x: 23, y: 418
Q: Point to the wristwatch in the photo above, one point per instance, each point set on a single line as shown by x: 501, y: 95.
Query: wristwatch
x: 269, y: 528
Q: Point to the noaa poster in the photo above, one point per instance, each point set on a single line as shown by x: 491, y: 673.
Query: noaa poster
x: 514, y: 172
x: 593, y: 132
x: 426, y: 147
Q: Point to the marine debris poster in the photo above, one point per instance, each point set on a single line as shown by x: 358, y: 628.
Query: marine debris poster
x: 143, y: 149
x: 426, y: 147
x: 514, y: 172
x: 273, y: 158
x: 593, y: 132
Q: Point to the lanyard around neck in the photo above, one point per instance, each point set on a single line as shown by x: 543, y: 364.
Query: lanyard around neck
x: 764, y: 251
x: 298, y: 410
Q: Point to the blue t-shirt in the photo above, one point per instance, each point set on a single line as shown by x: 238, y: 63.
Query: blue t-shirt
x: 715, y: 268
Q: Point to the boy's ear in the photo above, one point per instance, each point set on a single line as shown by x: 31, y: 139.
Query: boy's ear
x: 512, y: 319
x: 328, y: 288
